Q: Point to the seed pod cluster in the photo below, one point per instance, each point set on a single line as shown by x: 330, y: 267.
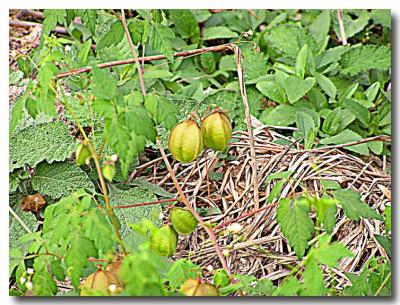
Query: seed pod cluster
x: 101, y: 282
x: 187, y: 139
x: 164, y: 240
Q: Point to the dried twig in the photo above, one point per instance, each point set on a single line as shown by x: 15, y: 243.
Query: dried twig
x: 341, y: 27
x: 240, y: 72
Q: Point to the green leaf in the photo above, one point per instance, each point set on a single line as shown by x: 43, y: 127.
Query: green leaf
x: 76, y: 259
x: 301, y: 61
x: 388, y: 218
x: 305, y: 124
x: 385, y: 242
x: 372, y: 92
x: 154, y: 188
x: 157, y: 74
x: 124, y: 142
x: 162, y: 110
x: 360, y: 111
x: 218, y: 32
x: 326, y: 85
x: 112, y: 37
x: 289, y: 287
x: 60, y: 179
x: 161, y: 39
x: 382, y: 16
x: 180, y: 271
x: 282, y: 115
x: 363, y: 58
x: 138, y: 121
x: 288, y: 39
x: 57, y: 269
x: 352, y: 205
x: 272, y: 90
x: 296, y: 87
x: 135, y: 215
x: 347, y: 136
x: 18, y: 225
x: 89, y: 19
x: 326, y: 211
x: 51, y: 18
x: 185, y: 23
x: 104, y: 85
x: 296, y: 224
x: 313, y: 280
x: 330, y: 253
x: 330, y: 56
x: 49, y: 141
x: 319, y: 28
x: 43, y: 283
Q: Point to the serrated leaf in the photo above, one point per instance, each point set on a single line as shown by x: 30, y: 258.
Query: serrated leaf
x: 138, y: 121
x: 180, y: 271
x: 112, y: 37
x: 305, y: 124
x: 296, y: 224
x: 60, y: 179
x: 161, y: 39
x: 89, y: 19
x: 135, y: 215
x: 218, y: 32
x: 18, y: 229
x: 185, y: 23
x: 330, y: 56
x: 326, y: 211
x: 289, y: 287
x: 154, y: 188
x: 51, y: 18
x: 352, y: 205
x: 288, y: 39
x: 296, y: 87
x: 162, y: 110
x: 76, y: 258
x: 347, y: 136
x: 43, y: 283
x: 48, y: 141
x: 104, y: 85
x: 313, y: 280
x: 329, y: 254
x: 363, y: 58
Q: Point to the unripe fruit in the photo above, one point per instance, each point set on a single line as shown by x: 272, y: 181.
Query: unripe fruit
x: 185, y: 141
x: 164, y: 240
x: 183, y: 221
x: 217, y: 131
x: 82, y: 154
x: 192, y: 287
x: 101, y: 282
x: 109, y: 171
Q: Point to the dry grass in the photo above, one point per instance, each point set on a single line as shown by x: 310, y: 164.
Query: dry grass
x: 260, y: 249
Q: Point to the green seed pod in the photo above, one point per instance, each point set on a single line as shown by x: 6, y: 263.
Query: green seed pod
x: 192, y: 287
x: 109, y: 171
x: 101, y: 282
x: 164, y: 240
x: 185, y: 141
x: 183, y: 221
x: 82, y: 154
x: 217, y: 131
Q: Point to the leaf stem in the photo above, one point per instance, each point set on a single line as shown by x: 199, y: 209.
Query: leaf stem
x: 103, y: 185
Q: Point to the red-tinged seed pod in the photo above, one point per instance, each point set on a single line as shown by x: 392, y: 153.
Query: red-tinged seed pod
x: 217, y: 131
x: 185, y: 141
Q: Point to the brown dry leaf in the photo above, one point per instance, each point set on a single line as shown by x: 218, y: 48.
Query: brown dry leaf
x: 33, y: 203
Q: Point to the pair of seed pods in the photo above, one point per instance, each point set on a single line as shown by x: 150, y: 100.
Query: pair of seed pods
x: 187, y: 139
